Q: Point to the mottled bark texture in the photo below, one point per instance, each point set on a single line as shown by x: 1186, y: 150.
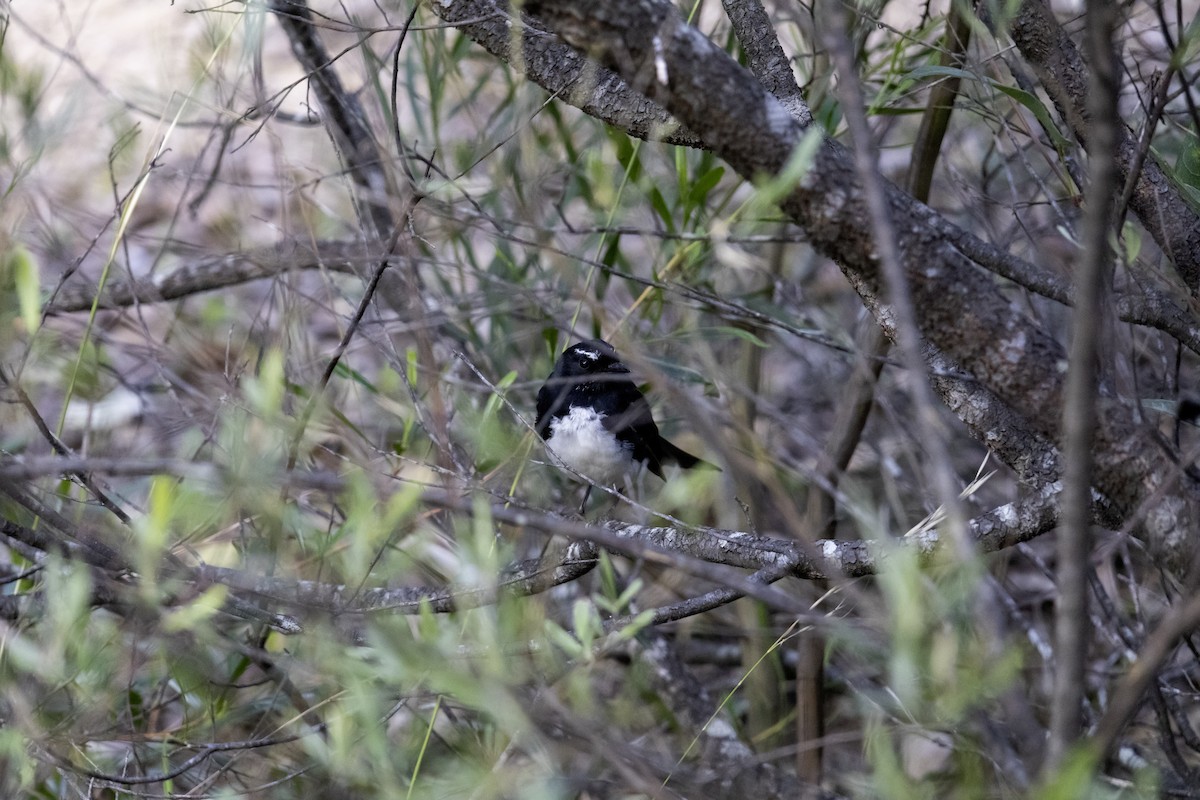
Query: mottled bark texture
x: 765, y: 55
x: 964, y: 316
x: 560, y: 69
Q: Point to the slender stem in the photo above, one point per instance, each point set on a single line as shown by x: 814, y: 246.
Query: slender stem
x: 1093, y: 276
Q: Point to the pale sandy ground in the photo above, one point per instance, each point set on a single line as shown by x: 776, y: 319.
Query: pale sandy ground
x: 118, y: 85
x: 106, y: 69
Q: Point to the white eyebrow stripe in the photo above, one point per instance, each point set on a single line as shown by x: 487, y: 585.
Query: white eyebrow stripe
x: 591, y: 355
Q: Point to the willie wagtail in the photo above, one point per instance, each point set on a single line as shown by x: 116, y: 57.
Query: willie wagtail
x: 597, y: 422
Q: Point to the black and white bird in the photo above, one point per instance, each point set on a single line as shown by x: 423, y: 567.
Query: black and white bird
x: 597, y: 422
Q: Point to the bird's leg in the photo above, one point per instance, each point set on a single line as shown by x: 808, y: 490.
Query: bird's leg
x: 635, y: 484
x: 587, y: 492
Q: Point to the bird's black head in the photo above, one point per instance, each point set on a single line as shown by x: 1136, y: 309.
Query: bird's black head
x: 593, y: 357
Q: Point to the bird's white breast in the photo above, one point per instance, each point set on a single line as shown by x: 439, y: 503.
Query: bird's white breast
x: 580, y: 441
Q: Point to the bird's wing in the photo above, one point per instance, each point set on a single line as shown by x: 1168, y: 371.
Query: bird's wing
x: 628, y: 416
x: 636, y: 426
x: 550, y: 397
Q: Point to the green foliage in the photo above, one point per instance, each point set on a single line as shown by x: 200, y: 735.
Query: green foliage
x: 23, y: 269
x: 1187, y: 166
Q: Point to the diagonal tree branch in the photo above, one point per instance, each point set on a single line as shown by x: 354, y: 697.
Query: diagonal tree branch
x: 346, y: 121
x: 561, y: 70
x: 208, y: 273
x: 767, y: 60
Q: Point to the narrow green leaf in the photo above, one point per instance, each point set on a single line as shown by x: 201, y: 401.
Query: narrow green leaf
x: 187, y: 617
x: 565, y: 641
x: 740, y: 333
x: 798, y: 164
x: 1131, y: 240
x: 410, y: 359
x: 700, y: 187
x: 24, y: 270
x: 1187, y: 165
x: 493, y: 402
x: 1039, y: 110
x: 681, y: 171
x: 639, y: 623
x: 1027, y: 99
x: 660, y: 207
x: 936, y: 71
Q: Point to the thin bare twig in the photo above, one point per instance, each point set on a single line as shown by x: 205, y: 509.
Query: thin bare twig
x: 1072, y: 623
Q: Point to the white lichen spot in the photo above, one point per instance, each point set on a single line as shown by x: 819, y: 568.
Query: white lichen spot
x: 1014, y: 348
x: 829, y: 550
x: 720, y: 729
x: 1164, y: 518
x: 1007, y: 515
x: 926, y: 540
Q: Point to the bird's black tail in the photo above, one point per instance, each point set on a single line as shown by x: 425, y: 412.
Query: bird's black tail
x: 683, y: 458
